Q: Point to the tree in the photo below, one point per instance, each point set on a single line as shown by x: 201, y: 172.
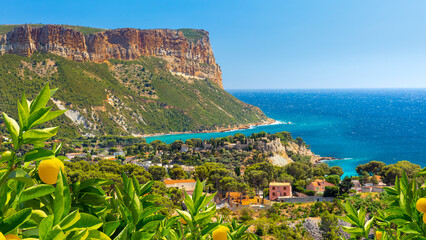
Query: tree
x: 266, y: 167
x: 201, y: 173
x: 321, y: 169
x: 331, y: 191
x: 177, y: 172
x: 256, y: 179
x: 299, y: 171
x: 334, y: 179
x: 328, y: 226
x: 217, y: 174
x: 372, y: 168
x: 176, y: 145
x: 345, y: 185
x: 175, y: 196
x: 390, y: 172
x: 300, y: 141
x: 284, y: 177
x: 365, y: 177
x: 241, y: 187
x: 336, y: 170
x: 158, y: 172
x: 374, y: 180
x: 228, y: 184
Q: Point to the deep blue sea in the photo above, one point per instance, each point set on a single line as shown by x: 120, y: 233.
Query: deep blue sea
x: 355, y: 125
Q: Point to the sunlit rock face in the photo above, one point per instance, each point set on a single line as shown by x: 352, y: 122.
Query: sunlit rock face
x: 193, y: 57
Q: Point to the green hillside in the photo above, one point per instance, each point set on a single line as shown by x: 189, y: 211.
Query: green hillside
x: 193, y: 34
x: 122, y: 97
x: 84, y: 30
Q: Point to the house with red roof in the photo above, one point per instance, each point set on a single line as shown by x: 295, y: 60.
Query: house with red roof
x: 318, y: 185
x: 184, y: 184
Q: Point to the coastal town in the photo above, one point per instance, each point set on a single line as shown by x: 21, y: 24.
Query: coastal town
x: 265, y: 147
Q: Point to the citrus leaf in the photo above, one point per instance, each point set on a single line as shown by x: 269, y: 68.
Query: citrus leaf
x: 13, y: 128
x: 41, y: 100
x: 12, y: 222
x: 36, y: 192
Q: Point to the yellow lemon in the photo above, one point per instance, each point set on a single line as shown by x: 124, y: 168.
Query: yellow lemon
x: 2, y: 236
x: 48, y: 170
x: 182, y: 221
x: 421, y: 205
x: 220, y: 233
x: 12, y: 237
x: 379, y: 235
x: 6, y: 155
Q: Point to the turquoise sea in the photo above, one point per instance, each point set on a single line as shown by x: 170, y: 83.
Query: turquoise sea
x: 356, y: 125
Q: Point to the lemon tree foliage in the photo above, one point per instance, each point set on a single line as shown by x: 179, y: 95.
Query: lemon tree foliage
x: 36, y: 201
x: 404, y: 219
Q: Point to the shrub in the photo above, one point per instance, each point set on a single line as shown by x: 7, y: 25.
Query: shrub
x: 401, y: 220
x: 84, y: 210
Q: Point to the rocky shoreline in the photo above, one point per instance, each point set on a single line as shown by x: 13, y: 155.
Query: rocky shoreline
x: 226, y: 129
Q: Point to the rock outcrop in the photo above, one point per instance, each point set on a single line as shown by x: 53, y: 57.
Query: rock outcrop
x: 193, y: 57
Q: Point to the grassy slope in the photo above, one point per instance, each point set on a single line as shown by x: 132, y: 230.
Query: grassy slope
x: 193, y: 34
x: 84, y: 30
x: 180, y: 106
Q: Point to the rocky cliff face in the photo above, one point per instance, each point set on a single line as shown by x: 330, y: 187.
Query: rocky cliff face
x: 280, y: 157
x: 193, y: 57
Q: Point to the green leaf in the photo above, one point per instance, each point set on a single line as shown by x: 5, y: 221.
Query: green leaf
x: 122, y: 235
x: 38, y: 154
x: 37, y: 135
x: 21, y: 176
x: 41, y: 100
x: 94, y: 182
x: 86, y: 221
x: 150, y: 210
x: 110, y: 227
x: 56, y: 234
x: 82, y: 235
x: 97, y: 235
x: 351, y: 230
x: 91, y: 199
x: 410, y: 229
x: 421, y: 173
x: 36, y: 192
x: 53, y: 91
x: 142, y: 235
x: 70, y: 220
x: 12, y: 222
x: 62, y: 202
x: 24, y: 104
x: 152, y: 220
x: 37, y: 115
x: 186, y: 216
x: 58, y: 149
x: 209, y: 228
x: 23, y: 116
x: 146, y: 188
x: 4, y: 195
x: 198, y: 191
x: 368, y: 225
x: 13, y: 128
x: 45, y: 227
x: 47, y: 117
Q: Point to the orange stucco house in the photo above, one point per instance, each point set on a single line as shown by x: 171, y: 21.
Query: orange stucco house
x: 318, y: 185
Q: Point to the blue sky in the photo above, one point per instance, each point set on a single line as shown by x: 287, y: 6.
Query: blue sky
x: 273, y: 44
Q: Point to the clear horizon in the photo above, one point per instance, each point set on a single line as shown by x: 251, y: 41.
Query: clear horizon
x: 274, y: 44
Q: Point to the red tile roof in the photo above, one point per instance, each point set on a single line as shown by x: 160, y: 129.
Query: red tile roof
x: 179, y: 181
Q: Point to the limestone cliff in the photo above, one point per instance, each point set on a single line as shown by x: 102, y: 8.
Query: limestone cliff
x: 280, y: 152
x: 183, y: 55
